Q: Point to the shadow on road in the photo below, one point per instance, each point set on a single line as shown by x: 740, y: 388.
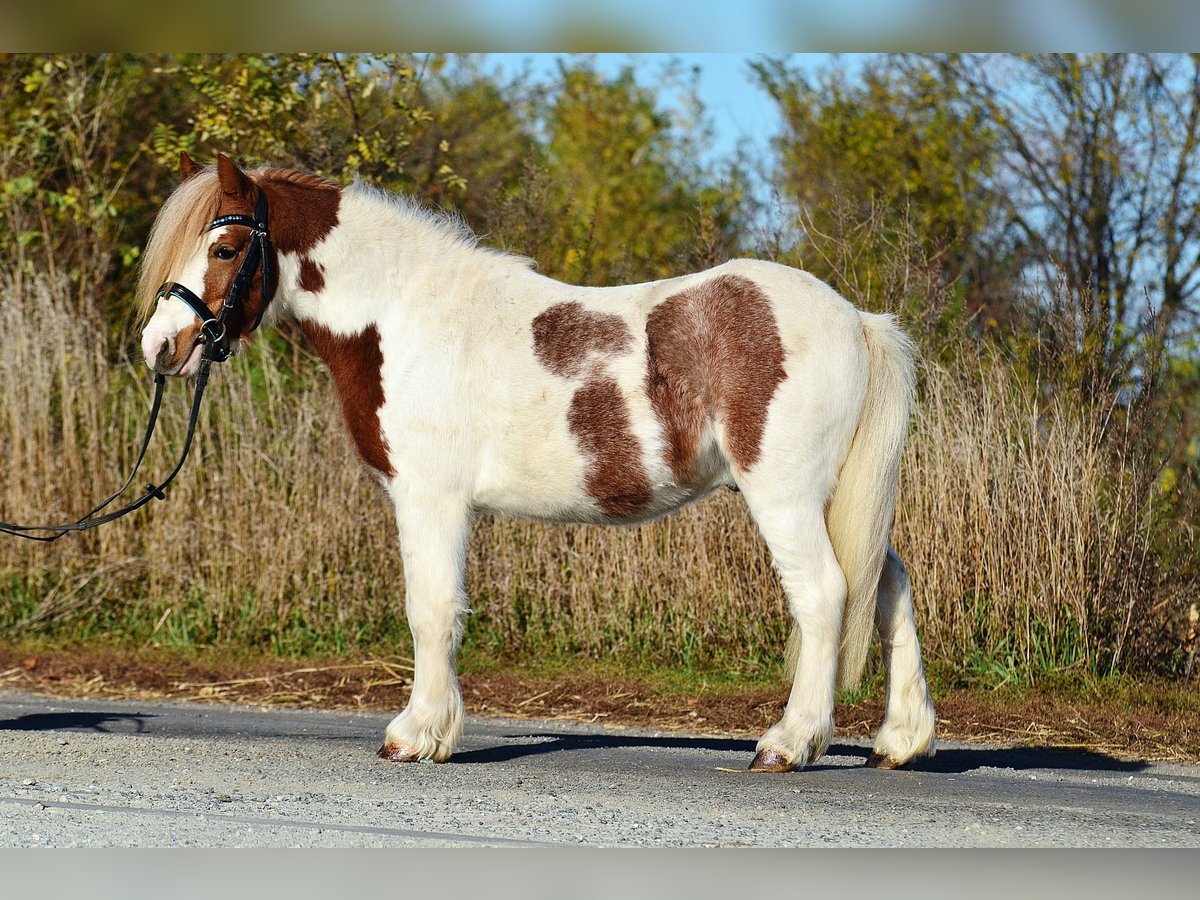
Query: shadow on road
x: 530, y: 744
x: 557, y: 743
x: 75, y: 721
x: 966, y: 760
x: 950, y: 760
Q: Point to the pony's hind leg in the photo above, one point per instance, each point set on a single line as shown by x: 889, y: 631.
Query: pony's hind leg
x: 908, y: 724
x: 816, y: 592
x: 433, y: 539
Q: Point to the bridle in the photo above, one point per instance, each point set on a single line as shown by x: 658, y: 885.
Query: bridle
x: 214, y: 336
x: 214, y: 333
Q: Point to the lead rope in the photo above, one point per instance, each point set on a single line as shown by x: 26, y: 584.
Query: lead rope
x: 215, y: 337
x: 153, y: 491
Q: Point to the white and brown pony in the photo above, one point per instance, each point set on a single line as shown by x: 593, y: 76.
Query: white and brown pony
x: 471, y: 384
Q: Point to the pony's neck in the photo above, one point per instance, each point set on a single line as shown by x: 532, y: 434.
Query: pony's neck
x: 304, y: 210
x: 356, y: 255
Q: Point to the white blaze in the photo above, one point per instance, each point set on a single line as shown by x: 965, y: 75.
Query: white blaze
x: 172, y: 315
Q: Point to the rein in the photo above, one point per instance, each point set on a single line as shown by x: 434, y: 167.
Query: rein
x: 214, y: 335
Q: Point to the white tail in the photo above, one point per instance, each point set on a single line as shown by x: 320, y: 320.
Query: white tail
x: 859, y: 517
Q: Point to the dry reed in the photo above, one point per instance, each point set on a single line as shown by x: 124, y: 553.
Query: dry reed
x: 1018, y: 526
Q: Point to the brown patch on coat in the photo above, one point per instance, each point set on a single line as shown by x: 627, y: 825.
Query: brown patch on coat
x: 713, y: 352
x: 312, y: 276
x: 599, y: 419
x: 303, y: 209
x: 566, y: 336
x: 355, y: 361
x: 572, y: 341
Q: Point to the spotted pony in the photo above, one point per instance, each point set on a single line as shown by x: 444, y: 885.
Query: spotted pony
x: 470, y: 384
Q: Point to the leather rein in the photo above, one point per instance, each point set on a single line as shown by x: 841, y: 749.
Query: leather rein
x: 214, y: 336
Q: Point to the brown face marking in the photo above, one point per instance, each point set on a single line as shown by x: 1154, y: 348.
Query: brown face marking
x: 566, y: 335
x: 219, y: 275
x: 599, y: 419
x: 355, y: 362
x: 713, y: 350
x: 303, y: 210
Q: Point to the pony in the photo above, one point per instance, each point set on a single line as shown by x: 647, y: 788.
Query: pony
x: 471, y: 384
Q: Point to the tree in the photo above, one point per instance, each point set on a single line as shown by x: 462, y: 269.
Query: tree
x: 888, y: 168
x: 64, y: 167
x: 616, y: 192
x: 1098, y: 177
x: 343, y: 115
x: 484, y: 128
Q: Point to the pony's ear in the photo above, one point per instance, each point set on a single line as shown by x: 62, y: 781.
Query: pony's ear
x: 187, y: 168
x: 234, y: 182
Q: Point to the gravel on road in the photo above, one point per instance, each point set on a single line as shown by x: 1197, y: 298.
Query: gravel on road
x: 118, y: 773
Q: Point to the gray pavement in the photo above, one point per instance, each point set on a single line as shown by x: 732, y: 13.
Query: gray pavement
x: 115, y: 773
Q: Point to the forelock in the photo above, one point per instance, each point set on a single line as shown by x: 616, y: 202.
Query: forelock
x: 177, y: 234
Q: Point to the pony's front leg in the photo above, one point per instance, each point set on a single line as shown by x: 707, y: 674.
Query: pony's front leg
x: 433, y: 540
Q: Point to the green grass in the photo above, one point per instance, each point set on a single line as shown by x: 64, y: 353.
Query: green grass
x: 189, y: 627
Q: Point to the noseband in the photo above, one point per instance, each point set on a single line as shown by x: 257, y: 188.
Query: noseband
x: 214, y: 330
x: 214, y: 335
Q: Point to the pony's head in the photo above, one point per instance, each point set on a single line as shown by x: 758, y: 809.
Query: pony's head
x: 203, y: 241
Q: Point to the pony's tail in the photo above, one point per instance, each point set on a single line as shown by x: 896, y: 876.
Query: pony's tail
x: 859, y: 516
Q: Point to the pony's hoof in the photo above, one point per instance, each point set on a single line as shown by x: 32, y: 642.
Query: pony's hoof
x: 883, y: 761
x: 394, y: 752
x: 771, y: 761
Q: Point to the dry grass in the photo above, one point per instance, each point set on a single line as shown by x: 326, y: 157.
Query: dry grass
x: 1030, y: 536
x: 1022, y: 530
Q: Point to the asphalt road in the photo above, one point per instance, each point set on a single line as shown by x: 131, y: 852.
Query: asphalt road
x: 109, y: 773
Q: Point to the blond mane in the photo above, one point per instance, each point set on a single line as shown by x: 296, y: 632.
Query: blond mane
x: 177, y: 234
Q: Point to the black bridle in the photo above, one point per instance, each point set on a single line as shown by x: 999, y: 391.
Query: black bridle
x: 259, y: 255
x: 214, y: 336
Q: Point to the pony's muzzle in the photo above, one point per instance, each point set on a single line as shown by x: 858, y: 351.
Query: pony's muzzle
x: 162, y: 354
x: 158, y: 350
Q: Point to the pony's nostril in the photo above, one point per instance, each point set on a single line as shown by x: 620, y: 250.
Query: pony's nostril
x: 154, y: 349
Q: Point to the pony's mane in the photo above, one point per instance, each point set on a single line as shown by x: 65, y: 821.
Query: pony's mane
x: 443, y: 226
x: 291, y: 176
x: 178, y: 230
x: 176, y: 235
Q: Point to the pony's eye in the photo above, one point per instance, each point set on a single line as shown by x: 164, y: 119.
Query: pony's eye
x: 224, y: 252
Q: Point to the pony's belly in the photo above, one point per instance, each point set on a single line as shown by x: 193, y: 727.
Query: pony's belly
x: 536, y: 500
x: 541, y: 501
x: 588, y: 513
